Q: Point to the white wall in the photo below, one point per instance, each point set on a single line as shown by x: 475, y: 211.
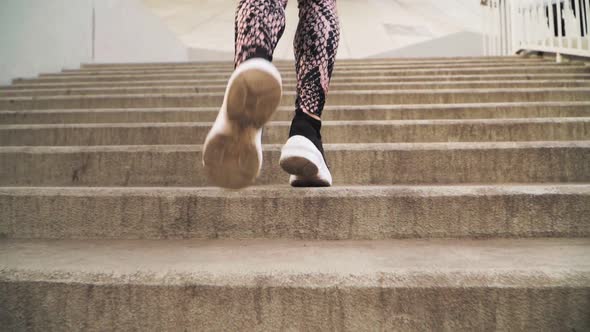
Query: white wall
x: 126, y: 31
x: 45, y: 36
x: 458, y: 44
x: 40, y: 36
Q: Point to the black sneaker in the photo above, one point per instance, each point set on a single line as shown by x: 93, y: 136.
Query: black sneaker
x: 303, y: 154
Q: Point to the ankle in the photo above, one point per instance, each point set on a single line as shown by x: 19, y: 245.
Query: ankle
x: 307, y: 126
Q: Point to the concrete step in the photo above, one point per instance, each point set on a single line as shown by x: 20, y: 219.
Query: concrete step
x: 337, y: 213
x: 533, y: 285
x: 365, y: 61
x: 40, y: 91
x: 358, y: 97
x: 374, y: 131
x: 357, y: 73
x: 35, y: 83
x: 331, y: 113
x: 290, y: 68
x: 355, y: 164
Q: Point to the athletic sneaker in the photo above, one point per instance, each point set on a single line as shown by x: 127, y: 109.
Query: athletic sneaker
x: 303, y: 154
x: 232, y: 153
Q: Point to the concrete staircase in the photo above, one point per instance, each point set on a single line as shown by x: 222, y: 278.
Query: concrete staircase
x: 462, y: 202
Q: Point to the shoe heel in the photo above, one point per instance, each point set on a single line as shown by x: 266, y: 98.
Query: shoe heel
x: 300, y: 157
x: 253, y: 96
x: 229, y: 163
x: 298, y: 166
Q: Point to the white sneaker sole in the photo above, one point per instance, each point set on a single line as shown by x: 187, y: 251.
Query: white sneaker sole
x: 232, y: 153
x: 305, y: 163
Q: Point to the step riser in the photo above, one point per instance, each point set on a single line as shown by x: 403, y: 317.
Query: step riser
x: 278, y: 214
x: 547, y: 110
x: 377, y: 73
x: 181, y: 166
x: 36, y: 83
x: 289, y: 64
x: 340, y: 62
x: 334, y: 98
x: 96, y: 306
x: 291, y: 88
x: 290, y: 69
x: 479, y: 131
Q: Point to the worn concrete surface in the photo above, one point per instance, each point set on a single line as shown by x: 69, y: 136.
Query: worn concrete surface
x: 357, y: 212
x: 352, y: 97
x: 383, y: 163
x: 339, y: 69
x: 290, y: 67
x: 376, y: 131
x: 34, y: 84
x: 285, y: 113
x: 280, y: 285
x: 536, y: 190
x: 291, y: 75
x: 291, y: 87
x: 367, y: 61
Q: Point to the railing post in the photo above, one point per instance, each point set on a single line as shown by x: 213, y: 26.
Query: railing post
x: 535, y: 22
x: 568, y: 18
x: 552, y: 26
x: 579, y: 25
x: 524, y: 20
x: 506, y: 27
x: 559, y: 24
x: 509, y: 30
x: 486, y: 27
x: 492, y: 28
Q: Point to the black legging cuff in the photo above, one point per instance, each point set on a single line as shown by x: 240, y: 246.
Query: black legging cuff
x: 308, y: 127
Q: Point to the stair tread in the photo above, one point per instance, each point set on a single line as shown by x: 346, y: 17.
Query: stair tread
x: 577, y: 73
x: 334, y: 93
x: 327, y: 147
x: 338, y: 70
x: 325, y: 123
x: 393, y: 263
x: 67, y: 90
x: 326, y: 109
x: 34, y: 82
x: 284, y: 190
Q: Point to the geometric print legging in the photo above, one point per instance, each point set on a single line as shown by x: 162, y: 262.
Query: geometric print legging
x: 260, y: 24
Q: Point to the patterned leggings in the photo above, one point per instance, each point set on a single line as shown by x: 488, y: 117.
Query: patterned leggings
x: 261, y: 23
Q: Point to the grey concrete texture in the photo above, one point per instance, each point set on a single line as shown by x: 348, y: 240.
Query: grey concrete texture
x: 375, y: 131
x: 522, y: 70
x: 285, y: 113
x: 126, y: 234
x: 367, y: 61
x: 376, y: 163
x: 352, y: 97
x: 251, y: 285
x: 280, y: 212
x: 290, y: 69
x: 291, y: 88
x: 36, y: 83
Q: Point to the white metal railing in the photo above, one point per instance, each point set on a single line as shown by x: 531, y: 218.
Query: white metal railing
x: 553, y: 26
